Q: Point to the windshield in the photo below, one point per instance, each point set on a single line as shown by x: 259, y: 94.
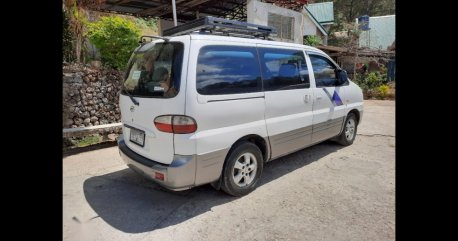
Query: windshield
x: 154, y: 71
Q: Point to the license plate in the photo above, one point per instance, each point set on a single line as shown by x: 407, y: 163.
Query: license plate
x: 137, y: 136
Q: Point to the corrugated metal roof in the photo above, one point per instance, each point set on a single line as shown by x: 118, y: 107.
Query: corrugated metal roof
x: 381, y: 33
x: 323, y: 12
x: 318, y: 24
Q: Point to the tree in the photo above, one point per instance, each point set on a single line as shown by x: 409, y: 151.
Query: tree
x: 115, y: 38
x: 67, y: 39
x: 351, y: 9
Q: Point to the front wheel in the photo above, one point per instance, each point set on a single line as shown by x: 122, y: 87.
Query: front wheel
x: 242, y: 169
x: 348, y: 134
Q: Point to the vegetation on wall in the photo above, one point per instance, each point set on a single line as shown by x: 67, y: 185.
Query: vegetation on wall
x: 115, y: 38
x: 148, y: 26
x: 77, y: 21
x: 67, y: 39
x: 312, y: 40
x: 148, y: 22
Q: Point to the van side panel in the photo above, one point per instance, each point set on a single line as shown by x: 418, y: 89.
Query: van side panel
x: 354, y: 98
x: 288, y: 111
x: 329, y: 106
x: 221, y: 119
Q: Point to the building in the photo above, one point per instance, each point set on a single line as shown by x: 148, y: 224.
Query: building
x: 381, y: 33
x: 292, y: 25
x: 292, y: 20
x: 323, y: 13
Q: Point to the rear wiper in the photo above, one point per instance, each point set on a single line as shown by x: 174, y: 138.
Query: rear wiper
x: 131, y: 98
x: 143, y: 41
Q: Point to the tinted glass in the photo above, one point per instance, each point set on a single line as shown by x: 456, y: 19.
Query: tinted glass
x: 155, y: 71
x: 283, y: 69
x: 324, y: 71
x: 228, y: 70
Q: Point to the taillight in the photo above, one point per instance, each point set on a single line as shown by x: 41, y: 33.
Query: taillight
x: 164, y: 123
x: 183, y: 124
x: 178, y: 124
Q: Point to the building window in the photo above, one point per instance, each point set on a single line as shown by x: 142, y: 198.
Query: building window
x: 283, y: 24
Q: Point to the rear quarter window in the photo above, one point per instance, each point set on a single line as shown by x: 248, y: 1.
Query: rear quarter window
x: 228, y: 70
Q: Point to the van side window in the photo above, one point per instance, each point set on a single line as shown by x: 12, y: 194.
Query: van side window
x: 324, y: 71
x: 283, y: 69
x: 228, y: 70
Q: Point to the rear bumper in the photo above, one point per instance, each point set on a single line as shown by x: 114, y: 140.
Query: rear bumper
x: 179, y: 175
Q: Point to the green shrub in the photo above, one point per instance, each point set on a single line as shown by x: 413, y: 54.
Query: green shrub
x: 312, y: 40
x: 370, y: 84
x: 382, y: 91
x: 147, y: 22
x: 373, y: 80
x: 115, y: 38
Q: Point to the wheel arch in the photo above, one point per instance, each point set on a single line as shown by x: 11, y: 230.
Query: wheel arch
x: 260, y: 142
x: 357, y: 114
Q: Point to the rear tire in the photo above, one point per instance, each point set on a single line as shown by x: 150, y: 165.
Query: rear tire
x: 348, y: 134
x: 242, y: 169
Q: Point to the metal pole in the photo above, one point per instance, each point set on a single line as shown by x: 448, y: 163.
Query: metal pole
x: 174, y: 13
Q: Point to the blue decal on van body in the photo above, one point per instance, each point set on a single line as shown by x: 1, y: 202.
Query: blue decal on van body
x: 335, y: 98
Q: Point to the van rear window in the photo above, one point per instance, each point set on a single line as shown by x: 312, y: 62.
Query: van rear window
x: 154, y: 71
x: 228, y: 70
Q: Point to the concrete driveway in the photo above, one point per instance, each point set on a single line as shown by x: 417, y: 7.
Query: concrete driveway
x: 325, y: 192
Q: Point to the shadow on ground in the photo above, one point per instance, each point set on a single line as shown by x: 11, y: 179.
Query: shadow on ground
x: 67, y: 151
x: 132, y: 204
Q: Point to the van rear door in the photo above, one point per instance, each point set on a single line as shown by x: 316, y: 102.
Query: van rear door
x: 154, y: 86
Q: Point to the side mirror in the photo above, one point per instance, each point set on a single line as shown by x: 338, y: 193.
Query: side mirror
x: 342, y: 77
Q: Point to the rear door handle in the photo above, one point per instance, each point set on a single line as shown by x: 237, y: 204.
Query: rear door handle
x: 319, y: 98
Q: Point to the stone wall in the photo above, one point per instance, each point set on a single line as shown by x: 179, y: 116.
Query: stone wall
x: 90, y: 96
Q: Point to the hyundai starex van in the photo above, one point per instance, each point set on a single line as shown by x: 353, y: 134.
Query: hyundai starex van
x: 199, y: 107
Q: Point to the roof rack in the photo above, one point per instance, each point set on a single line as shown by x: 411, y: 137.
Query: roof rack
x: 221, y: 26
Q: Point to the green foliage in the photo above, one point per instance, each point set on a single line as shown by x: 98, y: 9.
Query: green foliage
x: 375, y: 84
x: 67, y: 39
x: 77, y: 21
x: 373, y: 80
x: 368, y: 82
x: 147, y: 22
x: 87, y: 140
x: 115, y: 38
x: 383, y: 91
x: 352, y: 31
x: 312, y: 40
x: 348, y: 10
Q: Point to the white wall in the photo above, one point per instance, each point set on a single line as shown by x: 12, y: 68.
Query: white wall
x: 257, y: 13
x: 308, y: 26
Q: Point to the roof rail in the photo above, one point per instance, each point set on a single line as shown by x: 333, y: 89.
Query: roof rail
x: 221, y: 26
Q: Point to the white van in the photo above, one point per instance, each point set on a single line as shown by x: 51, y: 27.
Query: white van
x: 207, y: 107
